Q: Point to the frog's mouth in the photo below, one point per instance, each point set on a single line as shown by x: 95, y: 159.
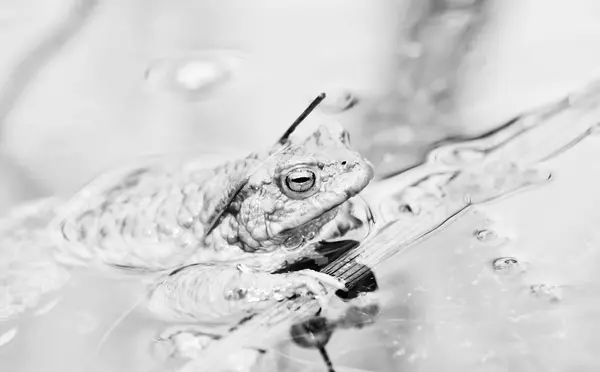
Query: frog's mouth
x: 352, y: 219
x: 298, y: 236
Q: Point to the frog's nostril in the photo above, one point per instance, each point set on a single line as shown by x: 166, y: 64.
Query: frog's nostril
x: 344, y: 162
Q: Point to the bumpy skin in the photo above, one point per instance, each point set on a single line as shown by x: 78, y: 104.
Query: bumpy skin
x: 273, y: 224
x: 155, y: 219
x: 160, y: 218
x: 266, y: 216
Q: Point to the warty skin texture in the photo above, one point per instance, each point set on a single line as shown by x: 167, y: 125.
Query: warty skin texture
x: 158, y: 217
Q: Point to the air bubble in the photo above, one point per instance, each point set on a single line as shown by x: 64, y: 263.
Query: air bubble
x: 194, y: 75
x: 506, y: 264
x: 486, y: 235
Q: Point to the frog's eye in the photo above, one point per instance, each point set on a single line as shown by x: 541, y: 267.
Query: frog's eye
x: 300, y: 182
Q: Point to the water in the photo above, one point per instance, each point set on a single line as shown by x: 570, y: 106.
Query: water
x: 194, y: 76
x: 450, y: 309
x: 455, y: 302
x: 64, y: 333
x: 487, y: 293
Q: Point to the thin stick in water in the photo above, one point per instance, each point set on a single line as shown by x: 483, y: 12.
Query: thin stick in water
x: 325, y: 357
x: 301, y: 118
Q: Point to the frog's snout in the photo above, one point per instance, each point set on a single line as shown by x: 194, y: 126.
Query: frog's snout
x: 358, y: 173
x: 360, y: 164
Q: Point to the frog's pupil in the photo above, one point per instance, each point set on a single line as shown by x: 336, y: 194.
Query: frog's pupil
x: 301, y: 181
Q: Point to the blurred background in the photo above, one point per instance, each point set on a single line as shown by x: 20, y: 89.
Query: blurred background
x: 86, y: 85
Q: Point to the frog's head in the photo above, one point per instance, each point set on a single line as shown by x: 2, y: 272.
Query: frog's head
x: 296, y: 191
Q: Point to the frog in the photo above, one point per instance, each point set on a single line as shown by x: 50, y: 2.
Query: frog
x: 220, y: 232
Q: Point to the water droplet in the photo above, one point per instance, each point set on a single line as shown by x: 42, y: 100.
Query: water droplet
x: 486, y: 235
x: 195, y: 75
x: 506, y: 264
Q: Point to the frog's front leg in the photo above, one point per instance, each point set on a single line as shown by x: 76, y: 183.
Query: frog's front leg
x: 221, y: 294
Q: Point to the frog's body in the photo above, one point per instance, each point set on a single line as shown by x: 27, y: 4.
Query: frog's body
x: 190, y: 224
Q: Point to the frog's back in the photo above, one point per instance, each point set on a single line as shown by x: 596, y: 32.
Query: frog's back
x: 126, y: 218
x: 148, y: 217
x: 139, y: 218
